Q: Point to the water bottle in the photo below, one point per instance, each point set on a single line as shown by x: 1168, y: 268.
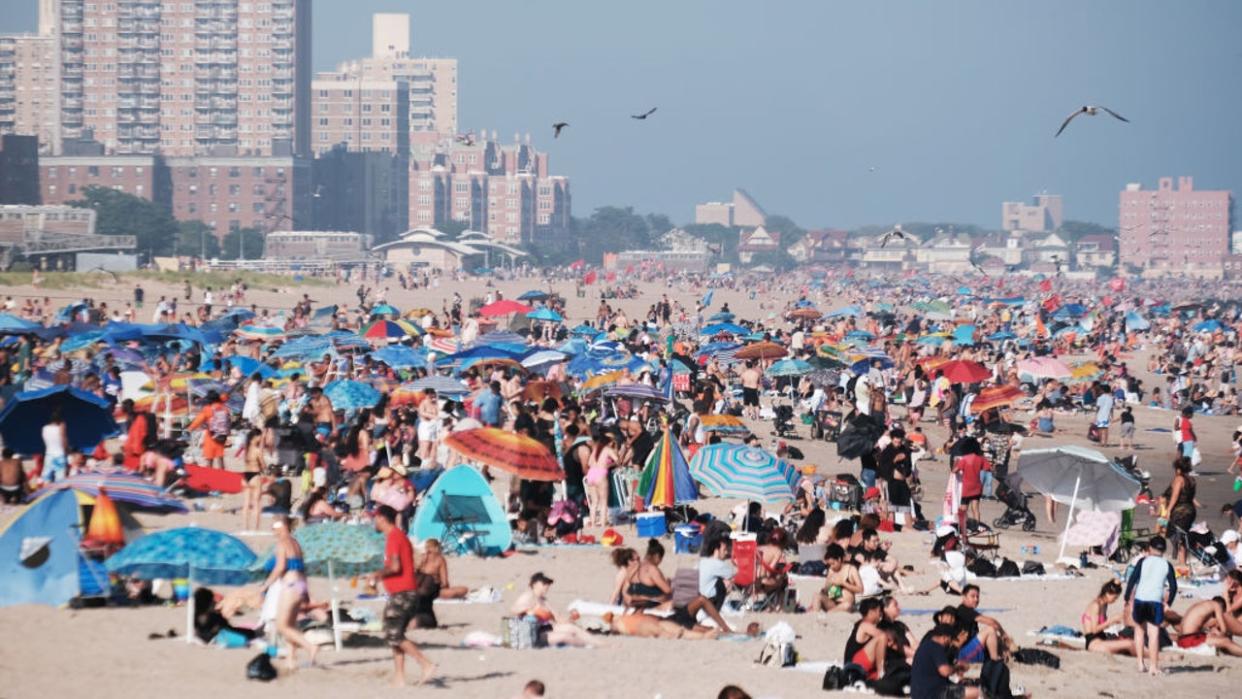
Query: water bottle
x: 1082, y: 560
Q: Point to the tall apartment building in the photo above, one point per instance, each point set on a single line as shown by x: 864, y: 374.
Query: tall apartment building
x: 19, y: 169
x: 186, y: 77
x: 29, y: 90
x: 741, y: 211
x: 1043, y: 215
x: 432, y: 82
x: 8, y: 84
x: 363, y: 114
x: 504, y: 191
x: 1168, y: 229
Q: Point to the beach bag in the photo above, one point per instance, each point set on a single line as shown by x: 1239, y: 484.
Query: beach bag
x: 778, y: 654
x: 1008, y: 569
x: 840, y: 677
x: 1093, y: 433
x: 1032, y: 568
x: 894, y: 682
x: 982, y: 567
x: 219, y: 424
x: 1196, y: 458
x: 1037, y: 656
x: 260, y: 668
x: 994, y: 680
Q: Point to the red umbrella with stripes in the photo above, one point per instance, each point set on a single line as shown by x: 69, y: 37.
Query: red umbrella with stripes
x: 507, y: 451
x: 995, y: 397
x: 965, y: 371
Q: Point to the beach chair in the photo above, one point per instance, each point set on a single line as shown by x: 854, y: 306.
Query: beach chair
x: 1130, y: 541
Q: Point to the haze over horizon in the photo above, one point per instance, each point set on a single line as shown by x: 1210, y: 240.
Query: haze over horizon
x: 954, y: 104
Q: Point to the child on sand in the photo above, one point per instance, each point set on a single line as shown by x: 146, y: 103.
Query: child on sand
x: 1146, y: 588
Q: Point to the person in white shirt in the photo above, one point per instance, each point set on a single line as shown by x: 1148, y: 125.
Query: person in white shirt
x: 716, y: 573
x: 55, y: 449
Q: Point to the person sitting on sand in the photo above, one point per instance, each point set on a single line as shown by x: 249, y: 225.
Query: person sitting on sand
x: 649, y: 626
x: 1204, y: 624
x: 867, y: 645
x: 642, y: 585
x: 987, y: 639
x: 534, y: 602
x: 842, y: 584
x: 1095, y: 620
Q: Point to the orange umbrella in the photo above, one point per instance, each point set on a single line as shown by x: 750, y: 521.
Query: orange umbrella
x: 761, y: 350
x: 995, y: 397
x: 540, y: 390
x: 731, y: 424
x: 507, y: 451
x: 601, y: 380
x: 805, y: 314
x: 105, y: 527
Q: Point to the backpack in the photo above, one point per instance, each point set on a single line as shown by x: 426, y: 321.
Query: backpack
x: 260, y: 668
x: 1008, y: 569
x: 839, y: 677
x: 220, y: 423
x: 1032, y: 568
x: 982, y: 567
x: 994, y: 680
x: 894, y: 682
x: 1037, y: 656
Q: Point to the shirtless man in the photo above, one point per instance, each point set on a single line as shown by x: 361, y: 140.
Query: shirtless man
x: 1204, y: 624
x: 842, y: 584
x: 321, y: 411
x: 750, y: 389
x: 12, y: 480
x: 868, y: 644
x: 649, y: 626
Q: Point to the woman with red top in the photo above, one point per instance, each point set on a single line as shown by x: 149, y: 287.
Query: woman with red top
x: 971, y: 465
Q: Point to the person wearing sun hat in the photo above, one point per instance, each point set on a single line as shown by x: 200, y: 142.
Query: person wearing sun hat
x: 392, y: 488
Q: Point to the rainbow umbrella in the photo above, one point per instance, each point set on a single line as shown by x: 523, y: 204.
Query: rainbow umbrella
x: 388, y: 329
x: 666, y: 480
x: 995, y: 397
x: 508, y: 451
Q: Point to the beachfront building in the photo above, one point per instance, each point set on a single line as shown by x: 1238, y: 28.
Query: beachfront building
x: 755, y: 241
x: 52, y: 236
x: 898, y: 255
x: 667, y: 261
x: 1096, y: 251
x: 1044, y: 214
x: 184, y: 78
x: 231, y: 193
x: 944, y: 253
x: 1008, y: 248
x: 1174, y: 230
x: 334, y: 246
x: 29, y: 86
x: 742, y: 211
x: 823, y: 247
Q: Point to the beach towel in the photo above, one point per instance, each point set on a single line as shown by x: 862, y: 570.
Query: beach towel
x: 212, y: 480
x: 1090, y: 529
x: 599, y: 609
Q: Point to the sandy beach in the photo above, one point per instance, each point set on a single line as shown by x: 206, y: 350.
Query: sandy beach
x: 106, y: 652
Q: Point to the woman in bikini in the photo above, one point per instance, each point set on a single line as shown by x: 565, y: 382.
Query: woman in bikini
x: 603, y: 458
x: 775, y: 575
x: 1095, y: 620
x: 288, y: 571
x: 253, y: 466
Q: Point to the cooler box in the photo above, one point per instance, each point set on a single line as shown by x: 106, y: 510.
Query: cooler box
x: 745, y: 553
x: 687, y: 538
x: 651, y: 524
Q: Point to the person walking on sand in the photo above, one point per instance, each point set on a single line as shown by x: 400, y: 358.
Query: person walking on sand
x: 1146, y: 590
x: 398, y: 578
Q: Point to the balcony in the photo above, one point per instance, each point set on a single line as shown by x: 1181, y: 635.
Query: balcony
x: 126, y: 103
x: 71, y: 27
x: 149, y: 103
x: 71, y: 71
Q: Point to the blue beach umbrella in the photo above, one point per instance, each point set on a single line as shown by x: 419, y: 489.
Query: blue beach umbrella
x: 202, y: 555
x: 88, y: 418
x: 750, y: 473
x: 533, y: 295
x: 718, y: 328
x: 442, y: 385
x: 400, y: 357
x: 790, y: 367
x: 351, y: 395
x: 384, y: 309
x: 546, y: 314
x: 1210, y: 325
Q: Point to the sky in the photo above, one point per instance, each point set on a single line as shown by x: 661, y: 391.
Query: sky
x: 837, y: 113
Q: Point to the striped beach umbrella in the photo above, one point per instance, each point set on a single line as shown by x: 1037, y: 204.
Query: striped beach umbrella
x: 260, y: 333
x: 666, y: 479
x: 995, y: 397
x: 761, y: 350
x: 132, y: 490
x: 739, y: 471
x: 508, y: 451
x: 724, y: 424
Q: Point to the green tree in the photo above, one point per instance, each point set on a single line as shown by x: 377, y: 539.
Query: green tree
x: 118, y: 213
x: 453, y: 229
x: 659, y: 224
x: 790, y: 232
x: 248, y: 241
x: 196, y: 239
x: 1073, y: 230
x: 778, y: 260
x: 610, y: 229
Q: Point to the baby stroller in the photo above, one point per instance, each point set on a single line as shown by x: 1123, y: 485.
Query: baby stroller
x: 827, y: 425
x: 784, y: 421
x: 1017, y: 512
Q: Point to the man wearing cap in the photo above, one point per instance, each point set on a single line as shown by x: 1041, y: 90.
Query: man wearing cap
x: 398, y: 578
x: 534, y: 603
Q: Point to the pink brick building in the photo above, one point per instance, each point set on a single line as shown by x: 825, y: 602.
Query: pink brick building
x: 1174, y: 230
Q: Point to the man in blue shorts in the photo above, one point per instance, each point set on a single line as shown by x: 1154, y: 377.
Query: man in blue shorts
x: 1146, y: 588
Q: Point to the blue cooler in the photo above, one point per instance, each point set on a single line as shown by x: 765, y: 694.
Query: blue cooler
x: 651, y: 524
x: 687, y: 538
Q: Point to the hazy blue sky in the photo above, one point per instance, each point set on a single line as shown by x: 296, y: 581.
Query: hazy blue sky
x: 955, y: 103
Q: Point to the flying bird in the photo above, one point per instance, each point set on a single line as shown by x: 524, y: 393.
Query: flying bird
x: 895, y: 233
x: 872, y: 169
x: 975, y: 263
x: 644, y: 115
x: 1089, y: 110
x: 556, y: 128
x: 466, y: 139
x: 318, y: 191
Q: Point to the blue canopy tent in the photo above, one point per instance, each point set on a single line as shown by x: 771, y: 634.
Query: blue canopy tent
x: 88, y: 418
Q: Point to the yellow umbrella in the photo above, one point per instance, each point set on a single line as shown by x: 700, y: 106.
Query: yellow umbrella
x: 597, y: 382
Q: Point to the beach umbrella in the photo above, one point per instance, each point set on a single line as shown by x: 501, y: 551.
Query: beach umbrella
x: 1210, y: 325
x: 724, y: 424
x: 135, y: 491
x: 1136, y: 322
x: 81, y: 341
x: 844, y: 311
x: 538, y: 359
x: 303, y: 347
x: 761, y: 350
x: 790, y: 367
x: 964, y: 335
x: 200, y: 555
x: 248, y: 366
x: 1085, y: 371
x: 1001, y: 336
x: 533, y: 295
x: 822, y: 361
x: 931, y: 340
x: 859, y: 436
x: 585, y: 330
x: 635, y: 391
x: 995, y: 397
x: 508, y: 451
x: 476, y: 353
x: 543, y: 313
x: 442, y: 385
x: 335, y: 548
x: 805, y: 313
x: 400, y: 357
x: 933, y: 362
x: 666, y: 480
x: 387, y: 329
x: 504, y: 307
x: 259, y: 333
x: 1044, y: 368
x: 384, y: 309
x: 349, y: 395
x: 965, y: 371
x: 721, y: 317
x: 739, y: 471
x: 1079, y: 477
x: 601, y: 380
x: 88, y: 418
x: 418, y: 313
x: 723, y: 329
x: 13, y: 325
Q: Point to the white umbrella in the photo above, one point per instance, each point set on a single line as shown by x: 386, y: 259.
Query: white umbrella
x: 1079, y: 477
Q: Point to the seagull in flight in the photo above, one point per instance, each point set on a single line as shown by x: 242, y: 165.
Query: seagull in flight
x: 556, y: 128
x: 645, y: 114
x: 318, y: 191
x: 1089, y: 110
x: 895, y: 233
x: 465, y: 138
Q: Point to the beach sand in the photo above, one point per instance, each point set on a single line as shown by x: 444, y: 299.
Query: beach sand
x: 105, y: 652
